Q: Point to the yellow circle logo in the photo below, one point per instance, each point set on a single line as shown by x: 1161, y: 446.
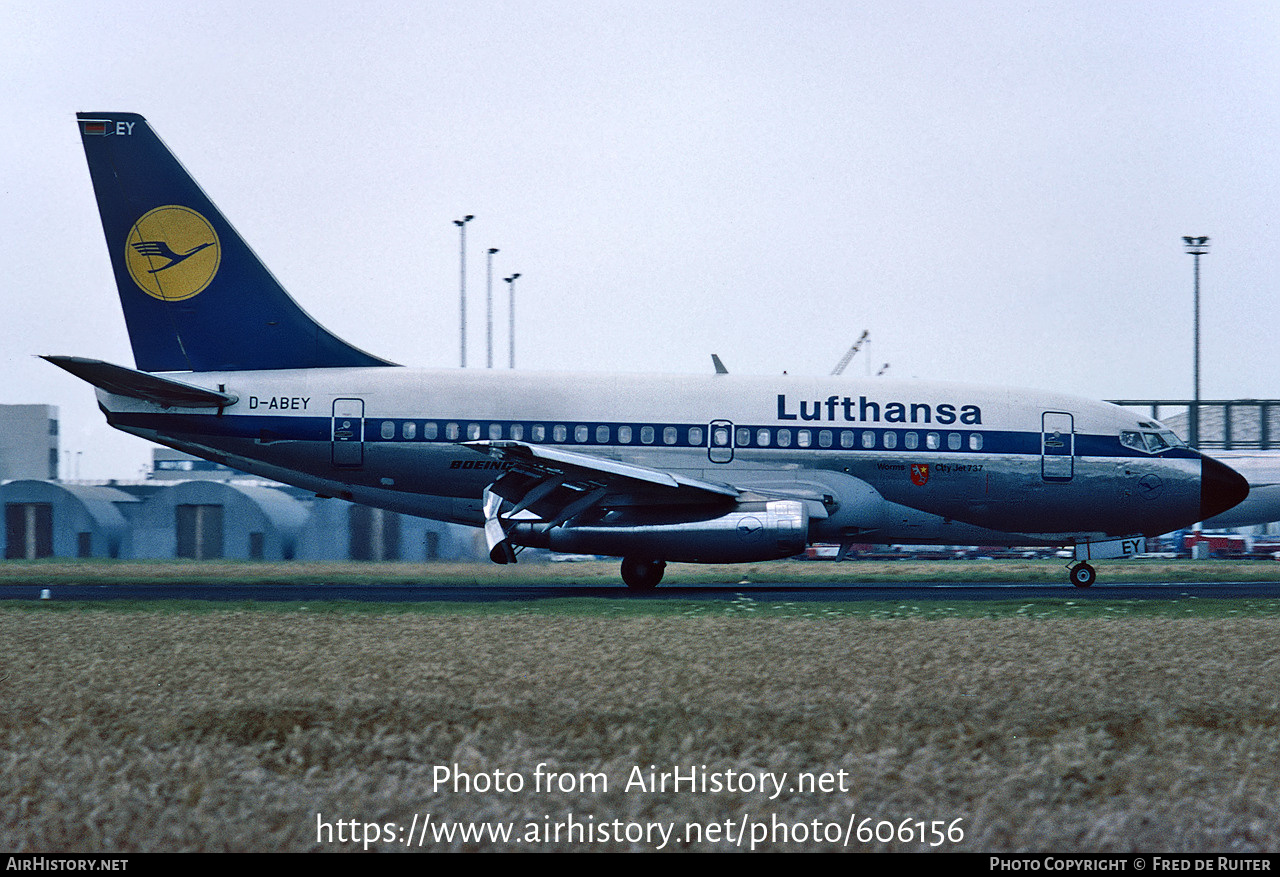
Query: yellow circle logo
x: 173, y: 253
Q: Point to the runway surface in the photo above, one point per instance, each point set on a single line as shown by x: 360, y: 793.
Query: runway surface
x: 775, y: 591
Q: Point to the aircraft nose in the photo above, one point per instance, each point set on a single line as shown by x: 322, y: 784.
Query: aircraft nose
x: 1221, y: 488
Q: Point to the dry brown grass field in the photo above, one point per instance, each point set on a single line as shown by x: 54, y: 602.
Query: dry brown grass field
x: 232, y: 729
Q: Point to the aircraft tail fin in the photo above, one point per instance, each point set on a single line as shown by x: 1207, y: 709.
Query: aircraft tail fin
x: 195, y: 297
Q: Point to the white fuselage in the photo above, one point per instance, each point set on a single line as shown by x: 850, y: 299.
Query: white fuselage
x: 876, y: 460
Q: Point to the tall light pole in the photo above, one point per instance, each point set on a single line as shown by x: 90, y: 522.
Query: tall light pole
x: 511, y: 317
x: 489, y: 301
x: 1197, y: 247
x: 462, y: 282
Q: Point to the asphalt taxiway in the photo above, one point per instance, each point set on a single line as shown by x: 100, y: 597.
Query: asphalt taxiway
x: 781, y: 591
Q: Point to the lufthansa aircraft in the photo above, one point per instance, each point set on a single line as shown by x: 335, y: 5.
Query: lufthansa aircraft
x: 714, y: 468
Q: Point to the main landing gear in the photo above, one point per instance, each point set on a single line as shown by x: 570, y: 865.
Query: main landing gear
x: 1082, y: 575
x: 642, y: 574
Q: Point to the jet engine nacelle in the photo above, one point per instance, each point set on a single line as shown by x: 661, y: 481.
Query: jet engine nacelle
x: 766, y: 530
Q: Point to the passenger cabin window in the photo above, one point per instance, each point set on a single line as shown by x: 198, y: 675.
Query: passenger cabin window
x: 517, y: 432
x: 624, y: 435
x: 890, y: 439
x: 538, y: 433
x: 695, y: 436
x: 975, y: 441
x: 646, y: 435
x: 580, y: 433
x: 911, y: 441
x: 559, y: 433
x: 473, y: 431
x: 409, y: 430
x: 431, y: 430
x: 669, y: 435
x: 784, y: 438
x: 388, y: 429
x: 762, y: 438
x: 602, y: 435
x: 495, y: 431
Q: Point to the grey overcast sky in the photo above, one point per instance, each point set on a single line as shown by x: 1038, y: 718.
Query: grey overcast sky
x: 995, y: 190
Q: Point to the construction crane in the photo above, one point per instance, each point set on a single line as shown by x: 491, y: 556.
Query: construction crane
x: 857, y: 345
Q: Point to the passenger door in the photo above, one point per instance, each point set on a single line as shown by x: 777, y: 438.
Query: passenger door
x: 348, y: 433
x: 720, y: 441
x: 1057, y: 446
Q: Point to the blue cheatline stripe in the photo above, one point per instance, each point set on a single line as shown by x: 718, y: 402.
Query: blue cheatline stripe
x: 440, y: 431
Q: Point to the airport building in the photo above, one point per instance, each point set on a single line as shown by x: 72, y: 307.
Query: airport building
x: 28, y: 441
x: 198, y: 510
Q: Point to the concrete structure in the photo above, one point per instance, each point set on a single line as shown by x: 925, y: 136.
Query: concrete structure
x: 28, y: 441
x: 170, y: 465
x: 1224, y: 424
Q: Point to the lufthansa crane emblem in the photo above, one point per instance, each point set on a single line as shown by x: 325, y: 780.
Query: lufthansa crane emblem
x: 172, y: 253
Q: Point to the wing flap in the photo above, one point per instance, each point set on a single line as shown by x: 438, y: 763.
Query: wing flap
x: 614, y: 474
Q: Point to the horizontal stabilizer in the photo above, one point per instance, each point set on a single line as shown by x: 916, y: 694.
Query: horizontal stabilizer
x: 139, y: 385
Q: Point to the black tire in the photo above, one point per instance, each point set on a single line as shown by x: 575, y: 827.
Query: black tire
x: 642, y: 574
x: 1083, y: 575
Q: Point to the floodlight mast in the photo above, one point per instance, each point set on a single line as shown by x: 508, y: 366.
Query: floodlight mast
x: 462, y: 284
x: 1197, y: 247
x: 489, y: 310
x: 511, y: 318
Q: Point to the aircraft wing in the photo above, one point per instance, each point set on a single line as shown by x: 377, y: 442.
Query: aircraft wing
x: 552, y: 486
x: 587, y: 472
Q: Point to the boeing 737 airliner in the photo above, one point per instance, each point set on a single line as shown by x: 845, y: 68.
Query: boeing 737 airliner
x: 714, y: 468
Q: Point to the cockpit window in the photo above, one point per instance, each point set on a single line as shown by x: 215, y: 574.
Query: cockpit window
x: 1155, y: 444
x: 1150, y: 442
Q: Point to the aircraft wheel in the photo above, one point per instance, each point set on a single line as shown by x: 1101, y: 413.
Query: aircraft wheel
x: 1083, y: 575
x: 642, y: 574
